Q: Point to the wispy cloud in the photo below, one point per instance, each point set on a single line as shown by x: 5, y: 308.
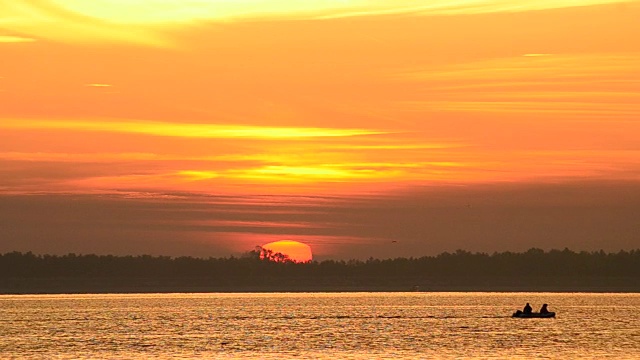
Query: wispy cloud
x: 186, y: 130
x: 581, y: 85
x: 15, y: 39
x: 63, y: 21
x: 145, y: 21
x: 166, y: 11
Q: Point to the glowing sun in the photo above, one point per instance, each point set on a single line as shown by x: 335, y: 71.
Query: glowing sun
x: 295, y: 250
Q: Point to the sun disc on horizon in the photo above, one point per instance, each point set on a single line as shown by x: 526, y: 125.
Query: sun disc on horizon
x: 296, y: 251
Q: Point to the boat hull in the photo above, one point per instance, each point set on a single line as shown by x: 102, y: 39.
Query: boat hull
x: 533, y: 315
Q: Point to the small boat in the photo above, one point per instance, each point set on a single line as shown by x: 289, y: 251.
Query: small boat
x: 520, y: 314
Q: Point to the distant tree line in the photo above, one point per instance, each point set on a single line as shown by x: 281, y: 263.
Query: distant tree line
x: 262, y: 270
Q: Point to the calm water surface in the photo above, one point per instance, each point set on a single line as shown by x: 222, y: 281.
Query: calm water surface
x: 318, y: 325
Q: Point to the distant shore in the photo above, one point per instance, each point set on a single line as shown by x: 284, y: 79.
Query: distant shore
x: 462, y: 271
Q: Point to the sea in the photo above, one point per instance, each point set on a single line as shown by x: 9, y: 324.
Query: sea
x: 415, y: 325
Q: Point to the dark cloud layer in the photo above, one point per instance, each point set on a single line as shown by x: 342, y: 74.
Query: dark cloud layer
x: 581, y: 216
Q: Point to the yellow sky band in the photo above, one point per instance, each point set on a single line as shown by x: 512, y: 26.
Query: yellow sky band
x: 185, y: 130
x: 145, y: 21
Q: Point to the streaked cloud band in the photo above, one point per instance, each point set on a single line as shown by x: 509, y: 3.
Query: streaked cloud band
x: 145, y: 21
x: 15, y: 39
x: 185, y: 130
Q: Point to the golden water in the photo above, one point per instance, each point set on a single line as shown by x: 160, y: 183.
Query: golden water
x: 318, y: 325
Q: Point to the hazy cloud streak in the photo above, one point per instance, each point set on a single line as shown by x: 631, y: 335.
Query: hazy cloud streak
x: 185, y: 130
x: 584, y: 86
x: 15, y: 39
x: 147, y: 21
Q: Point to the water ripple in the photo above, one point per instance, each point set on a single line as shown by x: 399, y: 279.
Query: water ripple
x: 319, y: 326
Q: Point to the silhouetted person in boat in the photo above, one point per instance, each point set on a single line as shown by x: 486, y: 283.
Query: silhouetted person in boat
x: 543, y: 309
x: 527, y: 309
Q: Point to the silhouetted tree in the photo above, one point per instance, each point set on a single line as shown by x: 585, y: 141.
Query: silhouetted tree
x: 270, y: 255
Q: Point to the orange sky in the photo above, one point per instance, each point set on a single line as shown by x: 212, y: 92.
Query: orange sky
x: 152, y: 98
